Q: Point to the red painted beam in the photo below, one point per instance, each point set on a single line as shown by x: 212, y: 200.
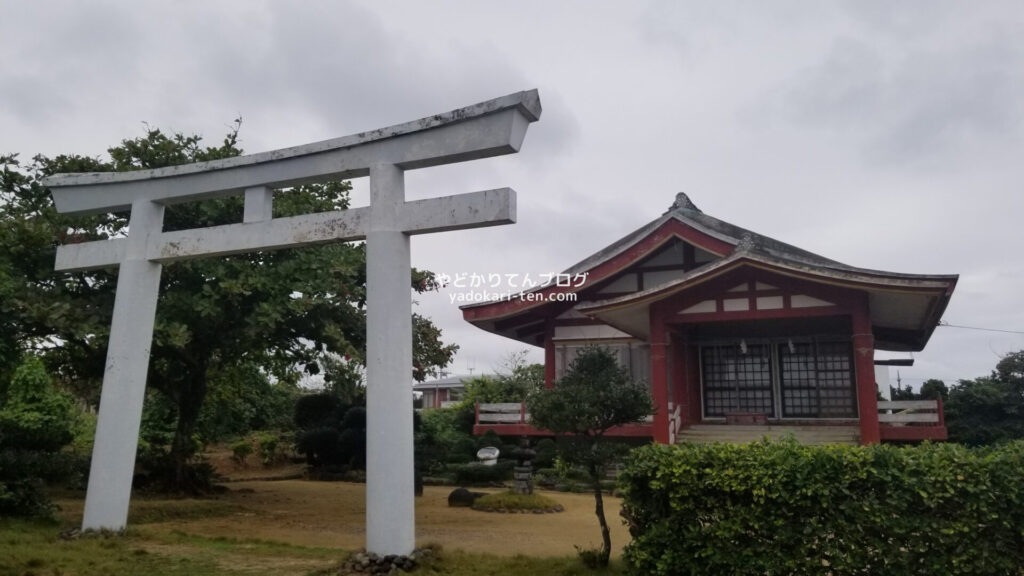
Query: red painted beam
x: 913, y: 433
x: 631, y: 431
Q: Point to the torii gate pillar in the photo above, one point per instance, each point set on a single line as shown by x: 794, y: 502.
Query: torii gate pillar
x: 389, y: 453
x: 487, y: 129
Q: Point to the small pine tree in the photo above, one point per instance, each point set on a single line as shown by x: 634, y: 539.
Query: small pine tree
x: 594, y: 396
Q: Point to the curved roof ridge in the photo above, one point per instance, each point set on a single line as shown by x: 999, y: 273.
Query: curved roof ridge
x: 891, y: 279
x: 685, y: 211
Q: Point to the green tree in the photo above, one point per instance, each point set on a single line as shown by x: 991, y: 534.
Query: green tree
x: 515, y: 380
x: 900, y: 392
x: 1010, y: 369
x: 344, y: 379
x: 35, y: 423
x: 933, y: 389
x: 990, y: 409
x: 595, y: 395
x: 275, y: 310
x: 9, y: 337
x: 241, y: 399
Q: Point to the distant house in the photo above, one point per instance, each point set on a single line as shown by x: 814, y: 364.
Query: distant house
x: 443, y: 392
x: 739, y: 335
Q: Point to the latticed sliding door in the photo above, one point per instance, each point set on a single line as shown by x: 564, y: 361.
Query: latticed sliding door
x: 735, y: 380
x: 816, y: 380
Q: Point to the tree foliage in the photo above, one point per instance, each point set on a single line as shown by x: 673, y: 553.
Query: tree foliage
x: 901, y: 392
x: 242, y: 398
x: 595, y: 395
x: 35, y: 423
x: 34, y: 415
x: 216, y: 318
x: 933, y: 389
x: 515, y: 380
x: 990, y: 409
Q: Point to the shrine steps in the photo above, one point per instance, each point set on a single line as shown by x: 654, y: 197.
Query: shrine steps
x: 742, y: 434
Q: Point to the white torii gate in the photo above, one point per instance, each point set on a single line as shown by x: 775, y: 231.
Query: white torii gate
x: 487, y: 129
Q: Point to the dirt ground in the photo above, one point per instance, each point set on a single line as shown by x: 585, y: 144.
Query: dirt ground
x: 332, y: 514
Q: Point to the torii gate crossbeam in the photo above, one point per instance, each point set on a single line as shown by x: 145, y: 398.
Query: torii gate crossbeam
x: 487, y: 129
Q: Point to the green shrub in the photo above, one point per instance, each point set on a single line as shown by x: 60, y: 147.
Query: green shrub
x: 34, y: 416
x: 546, y: 450
x: 592, y: 558
x: 240, y: 451
x: 156, y: 470
x: 463, y: 450
x: 268, y: 443
x: 476, y: 473
x: 514, y: 501
x: 83, y: 428
x: 35, y: 424
x: 317, y: 410
x: 331, y: 435
x: 785, y: 508
x: 441, y: 440
x: 24, y: 475
x: 489, y: 438
x: 319, y: 445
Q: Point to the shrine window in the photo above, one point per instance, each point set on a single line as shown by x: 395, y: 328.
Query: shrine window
x: 806, y: 379
x: 635, y: 357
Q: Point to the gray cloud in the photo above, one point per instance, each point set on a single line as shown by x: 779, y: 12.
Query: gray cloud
x: 882, y: 134
x: 922, y: 105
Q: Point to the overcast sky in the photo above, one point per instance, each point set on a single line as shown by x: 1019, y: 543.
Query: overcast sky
x: 881, y: 134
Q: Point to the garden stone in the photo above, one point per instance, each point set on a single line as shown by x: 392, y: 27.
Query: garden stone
x: 462, y: 498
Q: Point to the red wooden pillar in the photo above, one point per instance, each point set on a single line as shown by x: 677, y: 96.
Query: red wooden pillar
x: 864, y: 368
x: 694, y: 384
x: 549, y: 355
x: 659, y: 377
x: 680, y: 380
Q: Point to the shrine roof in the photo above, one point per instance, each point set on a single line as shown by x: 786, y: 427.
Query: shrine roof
x: 733, y: 244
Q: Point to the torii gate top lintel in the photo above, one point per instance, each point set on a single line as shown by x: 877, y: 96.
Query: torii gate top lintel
x: 499, y: 129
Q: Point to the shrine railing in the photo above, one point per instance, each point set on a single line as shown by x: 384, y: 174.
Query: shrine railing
x: 509, y: 413
x: 912, y: 420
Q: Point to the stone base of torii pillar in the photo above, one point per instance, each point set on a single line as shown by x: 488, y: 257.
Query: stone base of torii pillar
x: 487, y: 129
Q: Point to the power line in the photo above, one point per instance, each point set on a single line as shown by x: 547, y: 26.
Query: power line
x: 948, y: 325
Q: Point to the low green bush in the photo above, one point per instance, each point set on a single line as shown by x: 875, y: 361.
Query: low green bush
x: 240, y: 451
x: 268, y: 444
x: 785, y: 508
x: 546, y: 450
x: 35, y: 426
x: 476, y: 473
x: 514, y: 501
x: 463, y: 450
x: 489, y: 438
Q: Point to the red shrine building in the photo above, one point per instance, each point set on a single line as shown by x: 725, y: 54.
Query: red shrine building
x: 736, y: 333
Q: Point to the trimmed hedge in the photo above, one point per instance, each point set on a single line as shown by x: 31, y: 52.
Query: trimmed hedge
x: 785, y: 508
x: 476, y: 473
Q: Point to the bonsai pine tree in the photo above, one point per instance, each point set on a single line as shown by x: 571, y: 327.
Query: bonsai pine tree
x: 594, y: 396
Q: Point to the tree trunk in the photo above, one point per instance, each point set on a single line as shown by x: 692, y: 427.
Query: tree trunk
x: 606, y: 538
x: 190, y: 401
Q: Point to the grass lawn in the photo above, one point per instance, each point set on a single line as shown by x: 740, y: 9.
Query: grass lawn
x: 296, y: 527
